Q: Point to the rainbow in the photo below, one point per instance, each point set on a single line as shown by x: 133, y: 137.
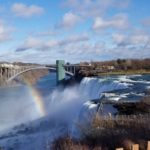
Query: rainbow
x: 38, y: 101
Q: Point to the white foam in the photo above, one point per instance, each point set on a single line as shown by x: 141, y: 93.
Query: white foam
x: 135, y: 75
x: 93, y: 87
x: 148, y: 87
x: 127, y: 79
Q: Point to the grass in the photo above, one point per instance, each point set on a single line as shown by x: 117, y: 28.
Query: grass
x: 113, y: 72
x: 107, y: 133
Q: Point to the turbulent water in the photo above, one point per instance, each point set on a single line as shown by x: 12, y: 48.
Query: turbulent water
x: 131, y: 87
x: 22, y: 127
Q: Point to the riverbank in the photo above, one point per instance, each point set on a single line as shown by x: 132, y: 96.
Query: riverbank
x: 108, y: 134
x: 127, y: 72
x: 129, y: 126
x: 89, y: 73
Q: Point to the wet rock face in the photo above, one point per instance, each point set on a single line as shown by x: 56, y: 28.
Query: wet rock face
x: 93, y: 108
x: 112, y: 108
x: 142, y: 107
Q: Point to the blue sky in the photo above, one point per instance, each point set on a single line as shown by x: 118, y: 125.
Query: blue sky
x: 75, y: 30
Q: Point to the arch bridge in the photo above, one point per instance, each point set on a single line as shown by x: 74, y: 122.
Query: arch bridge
x: 10, y: 72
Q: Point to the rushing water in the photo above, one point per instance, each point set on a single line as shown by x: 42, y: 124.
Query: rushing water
x: 130, y: 88
x: 21, y: 105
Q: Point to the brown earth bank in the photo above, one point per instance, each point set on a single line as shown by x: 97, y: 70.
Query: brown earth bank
x: 129, y: 126
x: 92, y: 73
x: 31, y: 77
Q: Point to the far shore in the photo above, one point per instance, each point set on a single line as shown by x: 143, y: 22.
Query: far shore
x: 123, y: 72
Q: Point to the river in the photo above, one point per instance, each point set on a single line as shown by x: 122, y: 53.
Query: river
x: 32, y: 116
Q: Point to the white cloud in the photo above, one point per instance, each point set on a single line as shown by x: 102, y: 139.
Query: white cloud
x: 139, y: 39
x: 94, y: 8
x: 146, y: 22
x: 38, y: 44
x: 22, y: 10
x: 5, y: 32
x: 80, y: 47
x: 30, y: 43
x: 85, y: 49
x: 46, y: 33
x: 131, y: 45
x: 135, y: 39
x: 121, y: 4
x: 77, y: 48
x: 75, y: 39
x: 130, y: 52
x: 69, y: 20
x: 118, y: 38
x: 119, y: 21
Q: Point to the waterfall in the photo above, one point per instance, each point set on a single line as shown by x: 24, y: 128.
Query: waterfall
x: 94, y: 87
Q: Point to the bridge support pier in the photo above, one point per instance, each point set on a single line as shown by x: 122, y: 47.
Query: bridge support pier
x: 60, y: 71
